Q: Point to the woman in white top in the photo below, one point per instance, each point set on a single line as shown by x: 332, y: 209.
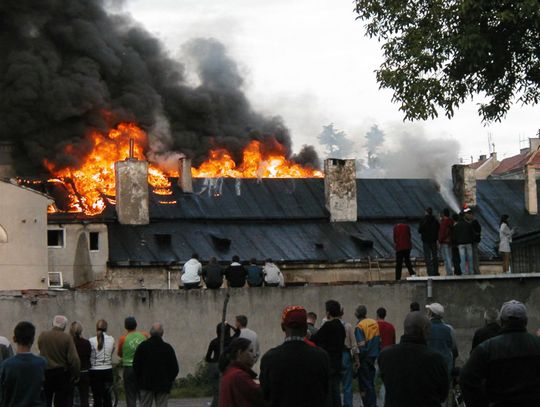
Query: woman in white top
x: 505, y: 238
x: 101, y: 372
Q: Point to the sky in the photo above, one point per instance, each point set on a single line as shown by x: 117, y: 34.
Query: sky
x: 309, y: 62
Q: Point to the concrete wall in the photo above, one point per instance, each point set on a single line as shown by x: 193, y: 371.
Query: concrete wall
x: 190, y: 317
x: 77, y: 263
x: 23, y: 257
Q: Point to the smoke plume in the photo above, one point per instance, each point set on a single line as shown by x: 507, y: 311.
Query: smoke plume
x: 69, y: 67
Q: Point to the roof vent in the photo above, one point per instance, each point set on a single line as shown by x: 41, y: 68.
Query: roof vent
x: 220, y: 243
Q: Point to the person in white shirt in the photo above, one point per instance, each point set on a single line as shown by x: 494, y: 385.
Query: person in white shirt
x: 272, y: 274
x: 505, y: 238
x: 101, y: 372
x: 241, y: 325
x: 190, y: 276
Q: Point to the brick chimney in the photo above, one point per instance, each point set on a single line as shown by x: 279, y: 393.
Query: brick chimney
x: 185, y: 181
x: 464, y: 180
x: 531, y: 196
x: 340, y: 189
x: 132, y: 191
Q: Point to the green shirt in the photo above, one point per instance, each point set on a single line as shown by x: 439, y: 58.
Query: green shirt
x: 132, y: 341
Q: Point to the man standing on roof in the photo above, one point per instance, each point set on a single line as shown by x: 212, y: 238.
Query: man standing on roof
x: 445, y: 240
x: 429, y: 230
x: 403, y: 246
x: 463, y: 238
x: 191, y: 273
x: 236, y: 273
x: 477, y: 237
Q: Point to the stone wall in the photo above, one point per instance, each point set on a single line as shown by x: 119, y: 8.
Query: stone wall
x: 190, y: 317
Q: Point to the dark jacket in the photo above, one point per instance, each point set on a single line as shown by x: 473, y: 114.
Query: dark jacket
x: 477, y: 231
x: 429, y: 229
x: 255, y: 276
x: 503, y: 371
x: 84, y: 350
x: 295, y: 374
x: 463, y: 233
x: 212, y: 275
x: 440, y: 340
x: 238, y: 388
x: 236, y: 275
x: 414, y: 375
x: 155, y: 365
x: 486, y: 332
x: 331, y: 337
x: 21, y: 381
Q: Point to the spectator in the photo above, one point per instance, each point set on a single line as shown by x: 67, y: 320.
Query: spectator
x: 440, y: 338
x: 255, y: 277
x: 272, y: 275
x: 236, y: 273
x: 63, y: 365
x: 190, y: 276
x: 212, y: 358
x: 127, y: 345
x: 414, y: 306
x: 369, y: 342
x: 413, y: 375
x: 84, y: 350
x: 245, y: 332
x: 477, y: 237
x: 387, y: 331
x: 155, y: 367
x: 463, y: 237
x: 311, y: 321
x: 403, y: 246
x: 503, y: 370
x: 6, y: 351
x: 445, y: 240
x: 331, y: 337
x: 455, y: 248
x: 101, y: 373
x: 212, y: 274
x: 22, y: 376
x: 490, y: 329
x: 237, y: 386
x: 505, y: 238
x: 294, y: 373
x: 429, y: 230
x: 350, y: 362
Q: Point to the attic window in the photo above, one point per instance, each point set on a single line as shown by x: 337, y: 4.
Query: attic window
x: 3, y: 235
x: 55, y: 238
x: 163, y: 239
x: 94, y: 241
x: 220, y: 243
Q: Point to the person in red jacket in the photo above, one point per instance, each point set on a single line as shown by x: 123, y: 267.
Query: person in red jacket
x: 445, y: 240
x: 238, y: 387
x: 403, y: 246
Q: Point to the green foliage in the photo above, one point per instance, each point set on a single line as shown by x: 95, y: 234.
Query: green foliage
x: 194, y: 385
x: 439, y: 53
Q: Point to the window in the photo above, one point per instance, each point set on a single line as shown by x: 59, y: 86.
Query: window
x: 55, y: 237
x: 94, y: 241
x: 3, y: 235
x: 55, y: 280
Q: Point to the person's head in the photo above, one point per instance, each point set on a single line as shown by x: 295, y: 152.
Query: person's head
x: 253, y: 261
x: 294, y: 321
x: 435, y: 310
x: 491, y: 316
x: 414, y: 306
x: 429, y: 211
x: 213, y: 260
x: 101, y: 328
x: 130, y: 323
x: 513, y: 314
x: 381, y: 313
x: 195, y: 256
x: 157, y: 329
x: 416, y: 324
x: 236, y: 259
x: 60, y: 322
x: 504, y: 219
x: 360, y: 312
x: 75, y: 329
x: 227, y: 331
x: 333, y: 309
x: 24, y: 334
x: 241, y: 321
x: 241, y: 351
x: 446, y: 212
x: 311, y: 318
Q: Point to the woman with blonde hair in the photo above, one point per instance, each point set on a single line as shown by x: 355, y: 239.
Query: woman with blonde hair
x: 101, y: 372
x: 84, y: 350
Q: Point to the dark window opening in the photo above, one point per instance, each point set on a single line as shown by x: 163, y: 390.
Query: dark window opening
x: 163, y: 239
x: 94, y: 241
x: 55, y: 237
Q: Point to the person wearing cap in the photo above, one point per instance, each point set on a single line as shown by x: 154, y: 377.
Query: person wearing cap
x: 413, y: 374
x: 127, y: 345
x: 504, y: 370
x: 295, y: 373
x: 440, y: 338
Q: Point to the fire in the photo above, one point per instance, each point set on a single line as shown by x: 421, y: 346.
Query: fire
x: 255, y: 164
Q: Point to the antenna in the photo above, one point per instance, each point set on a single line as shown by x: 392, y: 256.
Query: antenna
x: 491, y: 144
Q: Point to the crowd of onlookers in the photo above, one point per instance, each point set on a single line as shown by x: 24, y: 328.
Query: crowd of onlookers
x: 314, y: 366
x: 456, y: 237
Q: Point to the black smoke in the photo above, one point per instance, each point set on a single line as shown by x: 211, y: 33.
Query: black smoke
x: 68, y: 67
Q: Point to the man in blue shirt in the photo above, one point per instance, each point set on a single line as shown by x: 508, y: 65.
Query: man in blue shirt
x: 22, y: 376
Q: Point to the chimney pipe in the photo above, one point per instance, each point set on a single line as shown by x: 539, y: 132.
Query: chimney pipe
x: 531, y: 196
x: 185, y: 182
x: 464, y: 180
x: 340, y: 189
x: 131, y: 148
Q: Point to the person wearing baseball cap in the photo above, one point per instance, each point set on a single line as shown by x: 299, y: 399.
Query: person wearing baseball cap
x: 440, y: 338
x: 295, y: 373
x: 503, y: 370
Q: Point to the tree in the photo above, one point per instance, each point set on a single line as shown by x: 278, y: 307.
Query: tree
x: 335, y: 141
x: 439, y: 53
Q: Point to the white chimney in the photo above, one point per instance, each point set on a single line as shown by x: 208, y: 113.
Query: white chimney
x: 340, y: 189
x: 132, y: 192
x: 185, y: 182
x: 464, y: 180
x: 531, y: 196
